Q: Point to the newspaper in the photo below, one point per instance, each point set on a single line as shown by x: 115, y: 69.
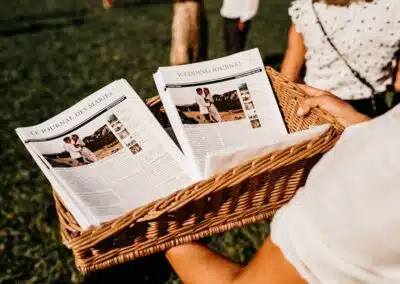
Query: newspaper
x: 219, y: 104
x: 222, y: 161
x: 106, y: 155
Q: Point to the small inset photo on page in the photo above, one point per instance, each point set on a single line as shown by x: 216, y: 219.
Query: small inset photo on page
x: 82, y: 147
x: 134, y: 146
x: 255, y: 123
x: 249, y: 105
x: 123, y: 133
x: 208, y: 104
x: 245, y: 93
x: 115, y: 123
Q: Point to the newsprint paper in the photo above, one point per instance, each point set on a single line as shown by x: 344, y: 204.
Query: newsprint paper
x: 218, y: 104
x: 222, y: 161
x: 106, y: 155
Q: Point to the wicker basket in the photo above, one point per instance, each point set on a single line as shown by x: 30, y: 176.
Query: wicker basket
x: 245, y: 194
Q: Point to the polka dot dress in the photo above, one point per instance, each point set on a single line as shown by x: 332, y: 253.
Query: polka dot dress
x: 366, y: 34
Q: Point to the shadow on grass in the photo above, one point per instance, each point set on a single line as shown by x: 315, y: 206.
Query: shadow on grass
x: 151, y: 269
x: 29, y: 24
x: 47, y: 16
x: 273, y: 60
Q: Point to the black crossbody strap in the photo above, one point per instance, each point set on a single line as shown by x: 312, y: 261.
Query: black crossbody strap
x: 353, y: 71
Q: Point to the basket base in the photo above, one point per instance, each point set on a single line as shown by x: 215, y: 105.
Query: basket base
x: 178, y: 241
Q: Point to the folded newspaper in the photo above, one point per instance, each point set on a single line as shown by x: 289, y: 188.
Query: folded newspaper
x: 217, y: 104
x: 107, y: 154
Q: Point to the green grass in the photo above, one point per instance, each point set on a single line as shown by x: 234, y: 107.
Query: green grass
x: 56, y: 52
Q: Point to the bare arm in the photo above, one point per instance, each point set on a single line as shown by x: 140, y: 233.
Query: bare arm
x: 294, y: 56
x: 197, y: 264
x: 397, y: 77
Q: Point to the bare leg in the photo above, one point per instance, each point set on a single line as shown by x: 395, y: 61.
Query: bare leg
x: 180, y: 34
x: 197, y: 264
x: 194, y: 30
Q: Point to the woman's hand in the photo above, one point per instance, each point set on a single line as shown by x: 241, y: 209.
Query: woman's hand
x: 340, y: 109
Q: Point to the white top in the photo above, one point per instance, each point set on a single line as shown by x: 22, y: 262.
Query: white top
x: 367, y: 34
x: 73, y: 151
x: 243, y: 9
x: 79, y: 142
x: 203, y: 105
x: 209, y: 98
x: 344, y: 225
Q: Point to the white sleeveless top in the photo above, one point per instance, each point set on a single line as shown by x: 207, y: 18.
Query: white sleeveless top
x: 367, y: 34
x: 344, y: 225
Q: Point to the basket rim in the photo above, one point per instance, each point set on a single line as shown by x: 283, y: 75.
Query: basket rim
x: 198, y: 190
x: 193, y: 192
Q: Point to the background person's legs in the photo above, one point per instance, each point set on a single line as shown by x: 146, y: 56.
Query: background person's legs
x: 189, y: 33
x: 193, y: 23
x: 230, y: 29
x: 180, y: 35
x: 235, y: 40
x: 203, y: 34
x: 241, y: 36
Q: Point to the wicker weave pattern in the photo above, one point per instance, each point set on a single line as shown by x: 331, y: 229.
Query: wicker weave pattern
x: 243, y: 195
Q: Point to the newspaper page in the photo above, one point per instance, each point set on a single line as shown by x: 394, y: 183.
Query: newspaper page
x: 73, y: 205
x: 106, y: 155
x: 218, y: 104
x: 220, y: 162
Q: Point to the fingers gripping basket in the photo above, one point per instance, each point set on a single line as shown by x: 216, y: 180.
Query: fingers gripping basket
x: 245, y: 194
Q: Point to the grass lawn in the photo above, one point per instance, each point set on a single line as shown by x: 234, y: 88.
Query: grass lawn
x: 56, y: 52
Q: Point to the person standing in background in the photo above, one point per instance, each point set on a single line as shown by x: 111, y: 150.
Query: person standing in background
x: 348, y: 47
x: 237, y: 15
x: 189, y: 32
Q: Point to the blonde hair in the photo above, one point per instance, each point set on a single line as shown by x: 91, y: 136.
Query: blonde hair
x: 342, y: 2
